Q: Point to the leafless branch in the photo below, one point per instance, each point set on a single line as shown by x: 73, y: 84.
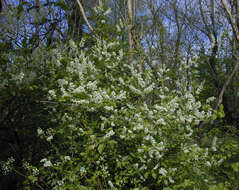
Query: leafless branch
x: 84, y: 15
x: 230, y: 18
x: 220, y: 98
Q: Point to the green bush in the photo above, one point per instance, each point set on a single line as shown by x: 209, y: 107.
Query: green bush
x: 119, y: 127
x: 110, y: 124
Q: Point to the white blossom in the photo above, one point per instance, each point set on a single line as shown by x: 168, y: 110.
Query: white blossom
x: 110, y: 184
x: 46, y: 163
x: 163, y: 172
x: 149, y: 88
x: 82, y: 170
x: 49, y: 139
x: 40, y: 132
x: 109, y: 108
x: 68, y: 158
x: 135, y: 90
x: 208, y: 164
x: 211, y: 99
x: 79, y: 89
x: 109, y: 134
x: 107, y: 12
x: 214, y: 142
x: 62, y: 82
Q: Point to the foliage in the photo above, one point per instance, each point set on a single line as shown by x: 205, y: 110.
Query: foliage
x: 90, y: 117
x: 24, y: 88
x: 119, y: 127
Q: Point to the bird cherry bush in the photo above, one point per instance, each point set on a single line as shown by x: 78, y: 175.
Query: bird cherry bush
x: 119, y: 127
x: 113, y: 125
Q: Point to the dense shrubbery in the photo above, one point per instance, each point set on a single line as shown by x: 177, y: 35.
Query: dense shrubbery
x: 119, y: 127
x: 103, y: 122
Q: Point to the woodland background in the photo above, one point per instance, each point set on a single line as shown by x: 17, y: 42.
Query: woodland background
x: 197, y: 40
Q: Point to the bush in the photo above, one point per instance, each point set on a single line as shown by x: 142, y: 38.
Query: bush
x: 120, y: 127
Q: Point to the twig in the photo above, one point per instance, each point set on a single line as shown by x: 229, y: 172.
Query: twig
x: 84, y: 15
x: 230, y: 18
x: 220, y: 98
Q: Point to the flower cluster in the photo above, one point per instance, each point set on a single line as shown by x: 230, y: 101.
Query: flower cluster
x: 7, y: 166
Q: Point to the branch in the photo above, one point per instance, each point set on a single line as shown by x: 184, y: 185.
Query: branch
x: 209, y: 34
x: 236, y: 32
x: 130, y: 26
x: 84, y: 15
x: 220, y: 98
x: 230, y: 18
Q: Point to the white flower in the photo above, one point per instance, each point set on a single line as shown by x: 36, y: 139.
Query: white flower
x: 109, y: 134
x: 208, y: 164
x: 121, y: 54
x: 149, y: 89
x: 21, y: 76
x: 67, y: 158
x: 161, y: 121
x: 25, y: 165
x: 199, y: 89
x: 107, y: 12
x: 82, y: 170
x: 97, y: 97
x: 60, y: 183
x: 110, y: 184
x: 43, y: 160
x: 81, y: 101
x: 92, y: 85
x: 52, y: 93
x: 49, y: 139
x: 156, y: 167
x: 220, y: 161
x: 163, y: 171
x: 40, y: 132
x: 135, y: 90
x: 121, y: 80
x: 122, y: 136
x: 171, y: 180
x: 109, y: 108
x: 189, y: 106
x: 47, y: 163
x: 138, y: 127
x: 122, y: 95
x: 35, y: 171
x: 7, y: 166
x: 214, y: 142
x: 62, y: 82
x: 153, y: 153
x: 186, y: 151
x: 79, y: 89
x: 160, y: 108
x: 162, y: 96
x: 211, y: 99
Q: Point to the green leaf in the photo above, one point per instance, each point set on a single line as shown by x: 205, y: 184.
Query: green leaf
x: 221, y: 113
x: 167, y: 188
x: 235, y: 167
x: 101, y: 148
x: 154, y: 175
x: 146, y: 175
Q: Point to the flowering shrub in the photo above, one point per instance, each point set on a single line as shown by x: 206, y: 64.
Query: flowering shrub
x: 119, y: 127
